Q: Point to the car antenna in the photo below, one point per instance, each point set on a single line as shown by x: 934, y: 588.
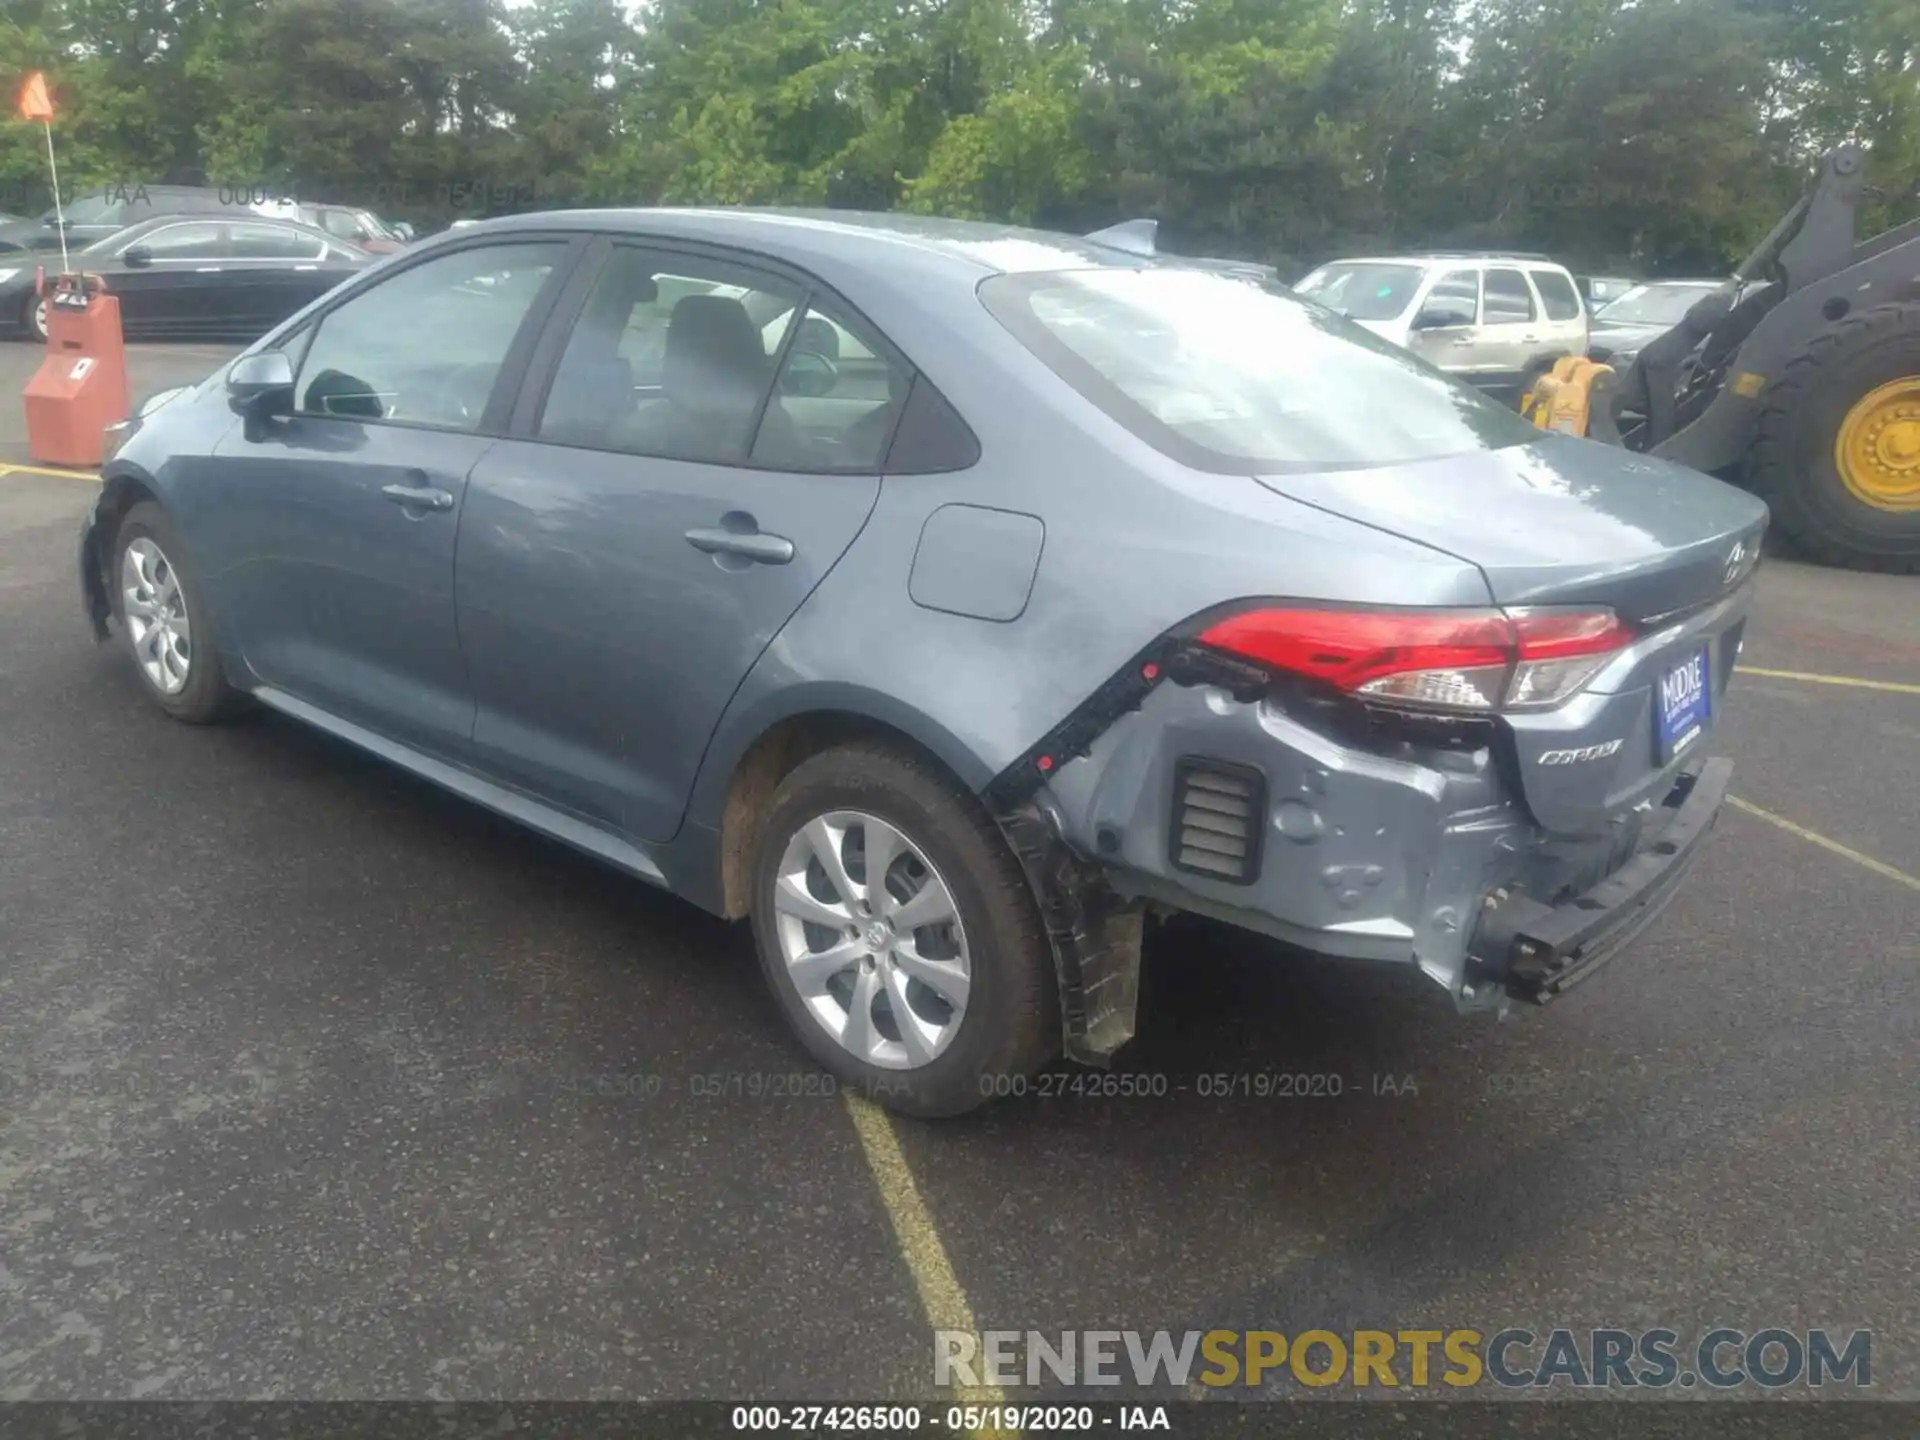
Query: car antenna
x: 1133, y: 236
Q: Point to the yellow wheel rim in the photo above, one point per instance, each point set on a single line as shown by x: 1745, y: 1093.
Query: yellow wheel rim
x: 1878, y: 449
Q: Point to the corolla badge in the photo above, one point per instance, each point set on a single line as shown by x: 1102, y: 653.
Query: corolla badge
x: 1585, y: 752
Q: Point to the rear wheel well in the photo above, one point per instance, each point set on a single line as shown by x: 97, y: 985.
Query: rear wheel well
x: 768, y: 761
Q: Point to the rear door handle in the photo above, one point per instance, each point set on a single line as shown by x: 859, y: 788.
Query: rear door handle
x: 424, y: 497
x: 767, y: 549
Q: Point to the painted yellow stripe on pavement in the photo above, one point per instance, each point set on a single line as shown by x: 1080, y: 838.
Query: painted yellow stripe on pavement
x: 1814, y: 837
x: 920, y: 1244
x: 1809, y: 678
x: 7, y: 467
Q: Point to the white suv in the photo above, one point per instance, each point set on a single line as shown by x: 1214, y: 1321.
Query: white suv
x: 1496, y: 320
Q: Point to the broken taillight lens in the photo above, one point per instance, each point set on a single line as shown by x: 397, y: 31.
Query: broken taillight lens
x: 1475, y: 661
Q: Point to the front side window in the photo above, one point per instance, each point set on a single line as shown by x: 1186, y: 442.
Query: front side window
x: 1365, y: 289
x: 425, y: 346
x: 1454, y: 300
x: 1557, y: 295
x: 1227, y: 377
x: 195, y: 241
x: 1508, y: 300
x: 670, y: 356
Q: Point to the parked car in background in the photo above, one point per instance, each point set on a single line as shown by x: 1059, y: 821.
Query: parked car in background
x: 197, y: 276
x: 1644, y: 312
x: 1598, y: 290
x: 1087, y: 581
x: 1494, y: 320
x: 95, y: 214
x: 357, y: 227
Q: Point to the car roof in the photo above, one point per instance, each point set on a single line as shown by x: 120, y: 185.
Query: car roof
x: 923, y: 241
x: 222, y: 217
x: 1449, y: 260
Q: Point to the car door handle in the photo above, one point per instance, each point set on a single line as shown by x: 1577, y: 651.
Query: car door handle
x: 425, y: 497
x: 767, y: 549
x: 1529, y: 339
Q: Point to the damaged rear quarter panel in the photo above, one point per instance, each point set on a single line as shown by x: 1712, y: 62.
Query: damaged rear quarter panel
x: 1364, y: 856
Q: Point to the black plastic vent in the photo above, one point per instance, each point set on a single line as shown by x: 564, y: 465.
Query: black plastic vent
x: 1219, y: 816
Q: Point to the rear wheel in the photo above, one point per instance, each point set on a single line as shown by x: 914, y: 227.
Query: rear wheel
x: 34, y: 317
x: 1838, y: 453
x: 898, y: 933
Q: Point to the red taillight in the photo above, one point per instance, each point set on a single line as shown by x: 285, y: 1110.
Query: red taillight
x: 1469, y: 660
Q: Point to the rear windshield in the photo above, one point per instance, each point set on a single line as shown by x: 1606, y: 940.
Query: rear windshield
x: 1229, y: 376
x: 1654, y: 304
x: 1364, y: 290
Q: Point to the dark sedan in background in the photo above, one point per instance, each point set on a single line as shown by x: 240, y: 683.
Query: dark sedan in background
x: 1644, y: 313
x: 94, y: 215
x: 183, y: 277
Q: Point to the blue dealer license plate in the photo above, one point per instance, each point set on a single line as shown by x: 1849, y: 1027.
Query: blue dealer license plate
x: 1682, y: 705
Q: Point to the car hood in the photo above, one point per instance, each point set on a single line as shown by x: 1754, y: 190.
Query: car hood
x: 1559, y: 521
x: 1386, y: 329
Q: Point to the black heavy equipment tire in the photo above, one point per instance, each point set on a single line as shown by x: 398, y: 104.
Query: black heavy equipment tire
x: 1010, y: 1027
x: 1793, y: 465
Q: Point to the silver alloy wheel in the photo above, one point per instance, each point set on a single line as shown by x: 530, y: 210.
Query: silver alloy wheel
x: 40, y: 318
x: 872, y: 940
x: 156, y: 614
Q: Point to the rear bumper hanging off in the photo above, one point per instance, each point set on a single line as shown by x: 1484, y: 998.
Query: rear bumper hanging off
x: 1537, y: 951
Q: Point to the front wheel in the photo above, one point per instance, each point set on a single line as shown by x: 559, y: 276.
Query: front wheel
x: 34, y: 317
x: 164, y: 619
x: 899, y: 935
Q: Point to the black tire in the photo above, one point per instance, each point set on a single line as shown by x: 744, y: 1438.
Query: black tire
x: 206, y: 696
x: 1010, y: 1027
x: 1792, y: 465
x: 32, y: 315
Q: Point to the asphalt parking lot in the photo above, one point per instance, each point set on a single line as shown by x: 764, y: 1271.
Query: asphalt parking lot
x: 319, y: 1083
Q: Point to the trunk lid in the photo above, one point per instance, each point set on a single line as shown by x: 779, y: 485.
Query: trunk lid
x: 1568, y: 522
x: 1560, y: 521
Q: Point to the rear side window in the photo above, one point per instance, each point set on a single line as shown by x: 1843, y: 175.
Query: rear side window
x: 1230, y: 377
x: 1508, y: 300
x: 271, y: 242
x: 1557, y: 294
x: 836, y: 401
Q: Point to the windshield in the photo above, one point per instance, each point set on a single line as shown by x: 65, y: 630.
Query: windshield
x: 1229, y: 376
x: 1363, y: 290
x: 1654, y: 304
x: 89, y: 210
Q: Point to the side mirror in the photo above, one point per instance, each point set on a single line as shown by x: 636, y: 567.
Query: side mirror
x: 261, y: 384
x: 136, y: 256
x: 1441, y: 320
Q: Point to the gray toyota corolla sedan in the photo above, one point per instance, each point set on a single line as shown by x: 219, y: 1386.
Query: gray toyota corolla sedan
x: 944, y: 598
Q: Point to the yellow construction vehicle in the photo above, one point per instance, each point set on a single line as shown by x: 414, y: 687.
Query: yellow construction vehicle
x: 1799, y: 378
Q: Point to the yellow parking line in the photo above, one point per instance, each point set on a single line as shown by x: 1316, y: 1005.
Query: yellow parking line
x: 1809, y: 678
x: 940, y: 1294
x: 1814, y: 837
x: 7, y: 467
